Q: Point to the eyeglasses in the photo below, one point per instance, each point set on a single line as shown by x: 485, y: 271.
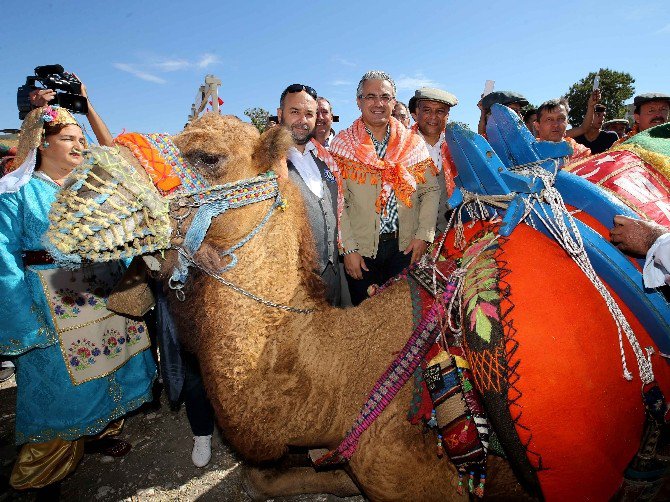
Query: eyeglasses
x: 384, y: 99
x: 298, y: 88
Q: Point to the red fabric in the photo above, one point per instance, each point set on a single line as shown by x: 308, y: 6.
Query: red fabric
x: 574, y: 406
x: 635, y: 182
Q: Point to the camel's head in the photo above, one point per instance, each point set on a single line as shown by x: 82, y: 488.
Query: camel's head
x: 224, y: 149
x: 110, y: 209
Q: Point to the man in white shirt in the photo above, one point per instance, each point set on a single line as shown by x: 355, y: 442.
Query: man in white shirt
x: 307, y: 166
x: 432, y: 112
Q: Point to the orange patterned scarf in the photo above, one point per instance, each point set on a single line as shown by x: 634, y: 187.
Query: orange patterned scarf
x: 151, y: 160
x: 401, y: 168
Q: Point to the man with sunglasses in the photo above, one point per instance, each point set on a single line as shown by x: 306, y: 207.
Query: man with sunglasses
x: 389, y: 204
x: 311, y: 167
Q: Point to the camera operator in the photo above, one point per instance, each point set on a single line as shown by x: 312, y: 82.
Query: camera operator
x: 41, y: 97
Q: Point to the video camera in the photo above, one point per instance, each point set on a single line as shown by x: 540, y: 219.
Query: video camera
x: 54, y: 77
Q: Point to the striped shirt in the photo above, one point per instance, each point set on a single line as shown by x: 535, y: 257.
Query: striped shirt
x: 389, y: 216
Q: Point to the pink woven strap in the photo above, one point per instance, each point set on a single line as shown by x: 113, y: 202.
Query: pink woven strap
x: 395, y: 376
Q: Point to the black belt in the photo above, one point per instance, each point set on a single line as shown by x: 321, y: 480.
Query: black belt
x: 388, y: 236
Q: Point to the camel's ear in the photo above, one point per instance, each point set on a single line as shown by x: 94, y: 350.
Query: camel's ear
x: 271, y: 150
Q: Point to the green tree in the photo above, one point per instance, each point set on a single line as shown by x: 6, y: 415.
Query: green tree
x: 615, y: 87
x: 259, y: 117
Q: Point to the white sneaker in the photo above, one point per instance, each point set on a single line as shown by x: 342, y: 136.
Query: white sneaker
x: 202, y: 450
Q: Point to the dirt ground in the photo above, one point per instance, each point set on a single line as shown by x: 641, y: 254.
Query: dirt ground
x: 158, y: 468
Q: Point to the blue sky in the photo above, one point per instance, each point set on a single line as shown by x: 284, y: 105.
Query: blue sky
x: 143, y: 61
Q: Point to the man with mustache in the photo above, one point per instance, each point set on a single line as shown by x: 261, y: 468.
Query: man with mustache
x: 651, y: 109
x: 311, y: 167
x: 432, y: 112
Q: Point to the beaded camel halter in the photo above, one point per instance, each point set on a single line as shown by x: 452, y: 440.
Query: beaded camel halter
x: 127, y: 217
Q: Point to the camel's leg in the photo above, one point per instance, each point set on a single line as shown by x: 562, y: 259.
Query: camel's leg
x: 501, y: 483
x: 395, y: 460
x: 270, y: 482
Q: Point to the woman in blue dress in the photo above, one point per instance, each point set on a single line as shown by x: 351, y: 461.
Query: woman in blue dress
x: 79, y: 367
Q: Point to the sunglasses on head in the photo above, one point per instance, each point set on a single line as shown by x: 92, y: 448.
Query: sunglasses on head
x: 298, y: 88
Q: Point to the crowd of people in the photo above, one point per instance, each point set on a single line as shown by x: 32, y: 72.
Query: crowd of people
x: 375, y: 196
x: 395, y: 176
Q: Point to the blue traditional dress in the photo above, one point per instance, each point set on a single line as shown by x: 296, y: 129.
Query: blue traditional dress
x: 50, y: 402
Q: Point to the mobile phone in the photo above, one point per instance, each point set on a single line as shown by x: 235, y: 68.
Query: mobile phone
x: 596, y: 82
x: 488, y: 87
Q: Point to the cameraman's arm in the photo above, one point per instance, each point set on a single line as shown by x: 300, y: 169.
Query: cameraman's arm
x: 100, y: 130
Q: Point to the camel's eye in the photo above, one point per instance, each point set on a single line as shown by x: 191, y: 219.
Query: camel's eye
x: 204, y: 159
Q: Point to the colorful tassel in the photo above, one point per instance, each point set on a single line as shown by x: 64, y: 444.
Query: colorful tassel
x: 479, y: 491
x: 440, y: 450
x: 433, y: 420
x: 471, y: 482
x: 459, y: 488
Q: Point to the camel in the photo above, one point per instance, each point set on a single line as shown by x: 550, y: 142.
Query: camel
x: 279, y: 378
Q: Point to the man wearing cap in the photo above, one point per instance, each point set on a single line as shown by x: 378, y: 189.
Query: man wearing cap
x: 590, y: 133
x: 311, y: 168
x: 432, y: 112
x: 511, y: 99
x: 651, y: 109
x: 390, y: 205
x: 619, y: 126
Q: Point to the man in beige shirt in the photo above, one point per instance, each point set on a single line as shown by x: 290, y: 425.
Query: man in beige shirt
x: 390, y: 205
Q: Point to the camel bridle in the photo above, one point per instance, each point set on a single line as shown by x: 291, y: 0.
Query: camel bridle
x: 209, y: 203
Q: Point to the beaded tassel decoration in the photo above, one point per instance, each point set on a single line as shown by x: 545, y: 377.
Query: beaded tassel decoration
x: 440, y: 450
x: 479, y: 491
x: 433, y: 419
x: 459, y: 488
x: 471, y: 482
